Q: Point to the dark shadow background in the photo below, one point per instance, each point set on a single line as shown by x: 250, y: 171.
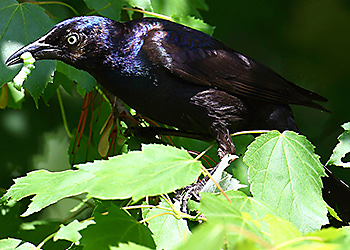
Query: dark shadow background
x: 307, y: 42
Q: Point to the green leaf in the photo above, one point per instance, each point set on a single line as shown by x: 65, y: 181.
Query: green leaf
x: 20, y: 24
x: 328, y: 234
x: 281, y: 230
x: 176, y: 8
x: 181, y: 11
x: 129, y: 246
x: 285, y: 173
x: 71, y: 231
x: 342, y: 148
x: 224, y: 179
x: 333, y: 213
x: 107, y: 8
x: 155, y: 170
x: 195, y: 23
x: 269, y: 222
x: 218, y: 210
x: 84, y: 79
x: 117, y: 226
x: 208, y: 237
x: 11, y: 244
x: 168, y: 232
x: 251, y: 205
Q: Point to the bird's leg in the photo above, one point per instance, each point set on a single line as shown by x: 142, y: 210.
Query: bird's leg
x: 226, y: 152
x: 224, y: 140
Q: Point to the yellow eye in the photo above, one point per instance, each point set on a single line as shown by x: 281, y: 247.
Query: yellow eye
x: 72, y: 39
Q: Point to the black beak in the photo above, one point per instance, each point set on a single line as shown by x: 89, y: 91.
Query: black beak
x: 39, y: 50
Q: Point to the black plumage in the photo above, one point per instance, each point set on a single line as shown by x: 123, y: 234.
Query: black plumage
x: 176, y: 75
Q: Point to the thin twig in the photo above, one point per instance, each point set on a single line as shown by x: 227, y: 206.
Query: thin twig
x: 64, y: 118
x: 59, y: 3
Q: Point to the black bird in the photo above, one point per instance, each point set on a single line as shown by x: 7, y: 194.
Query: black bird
x: 176, y: 75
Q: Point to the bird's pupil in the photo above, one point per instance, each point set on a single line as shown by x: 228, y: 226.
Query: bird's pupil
x: 72, y: 39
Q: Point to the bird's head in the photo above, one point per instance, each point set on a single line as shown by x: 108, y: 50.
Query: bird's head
x: 80, y: 42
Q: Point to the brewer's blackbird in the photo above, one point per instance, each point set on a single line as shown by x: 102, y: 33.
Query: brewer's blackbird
x: 175, y: 75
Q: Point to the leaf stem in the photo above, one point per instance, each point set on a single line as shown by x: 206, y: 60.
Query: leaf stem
x: 296, y: 240
x: 45, y: 240
x: 149, y: 13
x: 146, y: 206
x: 59, y: 3
x: 167, y: 200
x: 95, y: 11
x: 250, y: 132
x: 204, y: 152
x: 64, y: 118
x: 155, y: 216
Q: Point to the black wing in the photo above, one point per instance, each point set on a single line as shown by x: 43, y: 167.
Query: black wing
x: 199, y: 58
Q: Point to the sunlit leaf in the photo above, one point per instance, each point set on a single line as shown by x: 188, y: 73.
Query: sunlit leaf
x: 342, y: 148
x: 15, y: 244
x: 285, y: 173
x: 195, y: 23
x: 155, y: 170
x: 219, y: 210
x: 208, y: 237
x: 168, y: 232
x: 281, y: 230
x: 71, y: 231
x: 181, y: 11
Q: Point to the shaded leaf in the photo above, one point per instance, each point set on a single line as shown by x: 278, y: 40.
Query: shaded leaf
x: 9, y: 220
x: 117, y: 226
x: 285, y: 173
x: 84, y: 79
x: 107, y: 8
x: 155, y: 170
x: 342, y: 148
x: 20, y: 24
